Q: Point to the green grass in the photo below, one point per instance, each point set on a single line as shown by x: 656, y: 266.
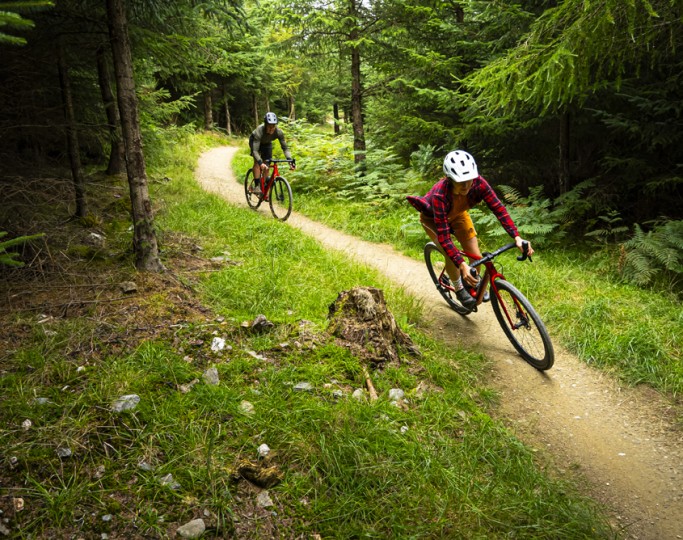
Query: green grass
x: 437, y: 467
x: 634, y: 333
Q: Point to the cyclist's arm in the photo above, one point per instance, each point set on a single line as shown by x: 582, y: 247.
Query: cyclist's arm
x: 497, y: 207
x: 499, y: 210
x: 256, y: 146
x: 283, y: 144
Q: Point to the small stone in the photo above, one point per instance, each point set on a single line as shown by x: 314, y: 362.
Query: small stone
x: 263, y: 500
x: 358, y: 394
x: 211, y: 377
x: 63, y: 452
x: 4, y: 530
x: 246, y: 408
x: 303, y: 387
x: 125, y: 403
x: 42, y: 401
x: 396, y: 394
x: 192, y: 529
x: 18, y: 504
x: 404, y: 429
x: 107, y: 517
x: 26, y: 424
x: 263, y: 450
x: 144, y: 466
x: 13, y: 462
x: 261, y: 324
x: 128, y: 287
x: 218, y: 344
x: 167, y: 480
x: 337, y: 394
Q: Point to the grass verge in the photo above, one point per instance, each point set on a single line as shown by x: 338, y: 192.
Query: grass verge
x: 434, y: 465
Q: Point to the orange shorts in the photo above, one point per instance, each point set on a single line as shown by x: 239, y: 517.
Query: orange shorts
x: 461, y: 226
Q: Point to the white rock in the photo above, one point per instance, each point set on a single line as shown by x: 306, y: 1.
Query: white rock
x: 218, y: 344
x: 192, y: 529
x: 211, y: 377
x: 124, y: 403
x: 263, y: 450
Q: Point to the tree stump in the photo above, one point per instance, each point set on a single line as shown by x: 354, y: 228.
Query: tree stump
x: 360, y: 319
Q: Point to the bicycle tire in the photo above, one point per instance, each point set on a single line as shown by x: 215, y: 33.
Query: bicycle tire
x: 436, y: 263
x: 529, y: 338
x: 280, y: 198
x: 253, y: 200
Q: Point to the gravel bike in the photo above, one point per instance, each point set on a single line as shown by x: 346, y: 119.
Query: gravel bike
x: 274, y: 189
x: 515, y: 314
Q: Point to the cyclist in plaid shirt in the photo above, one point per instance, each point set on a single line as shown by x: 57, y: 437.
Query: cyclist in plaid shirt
x: 444, y: 211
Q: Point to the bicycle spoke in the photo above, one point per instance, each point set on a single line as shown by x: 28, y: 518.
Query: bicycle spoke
x: 522, y: 326
x: 281, y: 199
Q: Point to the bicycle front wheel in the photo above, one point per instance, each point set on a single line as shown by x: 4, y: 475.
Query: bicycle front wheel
x: 522, y: 326
x: 280, y: 198
x: 253, y: 200
x: 436, y: 264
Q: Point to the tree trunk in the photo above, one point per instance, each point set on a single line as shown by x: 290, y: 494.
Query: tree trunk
x: 292, y: 109
x: 362, y: 321
x: 254, y: 103
x: 228, y: 120
x: 335, y: 109
x: 144, y: 237
x: 71, y: 133
x: 564, y: 172
x: 208, y: 111
x: 356, y: 93
x: 117, y: 158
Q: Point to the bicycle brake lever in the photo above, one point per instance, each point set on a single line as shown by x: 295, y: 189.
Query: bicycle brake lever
x: 523, y: 256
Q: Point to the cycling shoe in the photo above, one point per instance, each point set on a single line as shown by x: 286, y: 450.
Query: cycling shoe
x: 465, y: 298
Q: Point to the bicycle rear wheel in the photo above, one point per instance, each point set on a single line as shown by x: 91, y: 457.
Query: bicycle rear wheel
x: 527, y: 332
x: 436, y: 264
x: 253, y: 200
x: 280, y: 197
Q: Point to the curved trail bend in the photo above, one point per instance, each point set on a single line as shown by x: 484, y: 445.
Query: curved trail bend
x: 616, y: 438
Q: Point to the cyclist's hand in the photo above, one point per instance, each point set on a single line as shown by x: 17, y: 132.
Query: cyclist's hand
x: 466, y: 273
x: 292, y: 165
x: 264, y: 168
x: 519, y: 240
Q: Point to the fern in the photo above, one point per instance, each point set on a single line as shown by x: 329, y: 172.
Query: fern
x: 655, y: 253
x: 8, y: 258
x: 531, y: 214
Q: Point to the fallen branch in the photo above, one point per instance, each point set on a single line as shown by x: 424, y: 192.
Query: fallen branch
x: 368, y: 382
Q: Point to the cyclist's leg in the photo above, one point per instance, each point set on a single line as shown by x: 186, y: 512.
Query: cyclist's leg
x: 430, y: 228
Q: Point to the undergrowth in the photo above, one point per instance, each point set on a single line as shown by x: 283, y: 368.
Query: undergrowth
x: 437, y: 465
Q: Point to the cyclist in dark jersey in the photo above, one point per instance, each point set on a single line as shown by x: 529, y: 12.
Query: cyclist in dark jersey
x: 444, y: 211
x: 261, y: 147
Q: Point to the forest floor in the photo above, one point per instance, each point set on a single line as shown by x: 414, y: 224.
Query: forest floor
x: 620, y: 443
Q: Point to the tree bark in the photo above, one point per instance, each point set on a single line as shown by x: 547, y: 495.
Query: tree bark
x: 208, y: 111
x: 71, y: 133
x: 356, y: 94
x: 117, y: 158
x: 335, y: 109
x: 228, y: 120
x: 292, y: 109
x: 254, y: 103
x: 144, y: 236
x: 564, y: 171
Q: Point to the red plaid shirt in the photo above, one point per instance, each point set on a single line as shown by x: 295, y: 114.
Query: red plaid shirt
x: 438, y: 201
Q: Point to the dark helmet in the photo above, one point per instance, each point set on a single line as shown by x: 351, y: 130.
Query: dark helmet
x: 270, y: 118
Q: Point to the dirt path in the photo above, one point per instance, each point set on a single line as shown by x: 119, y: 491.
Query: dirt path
x: 617, y: 439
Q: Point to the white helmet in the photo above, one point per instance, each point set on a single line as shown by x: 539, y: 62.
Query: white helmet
x: 270, y: 118
x: 459, y: 166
